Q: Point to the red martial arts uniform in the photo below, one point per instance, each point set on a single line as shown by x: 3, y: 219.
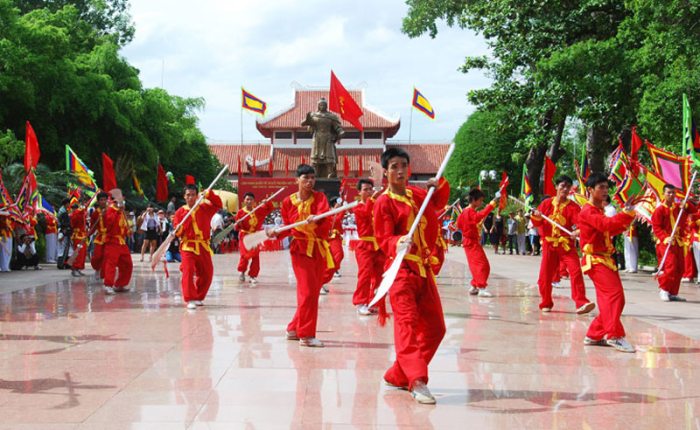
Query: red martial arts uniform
x: 79, y: 237
x: 596, y: 235
x: 116, y: 254
x: 419, y: 324
x: 335, y: 244
x: 470, y: 222
x: 196, y: 267
x: 370, y: 259
x: 558, y: 246
x: 97, y: 224
x: 662, y: 221
x: 250, y: 225
x: 311, y: 257
x: 51, y: 225
x: 689, y: 269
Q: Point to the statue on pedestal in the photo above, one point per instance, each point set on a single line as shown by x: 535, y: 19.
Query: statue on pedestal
x: 326, y: 134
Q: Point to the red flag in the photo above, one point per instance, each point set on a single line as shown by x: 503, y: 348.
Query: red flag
x: 286, y: 166
x: 503, y: 188
x: 109, y: 178
x: 189, y: 180
x: 161, y: 185
x: 359, y: 168
x: 342, y: 102
x: 240, y: 168
x: 254, y: 168
x: 346, y: 166
x: 634, y: 149
x: 550, y: 169
x: 31, y: 149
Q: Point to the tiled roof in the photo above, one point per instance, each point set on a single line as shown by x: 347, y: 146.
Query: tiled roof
x: 307, y: 101
x: 425, y: 158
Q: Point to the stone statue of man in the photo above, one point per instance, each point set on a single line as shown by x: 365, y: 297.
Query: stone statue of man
x: 326, y: 133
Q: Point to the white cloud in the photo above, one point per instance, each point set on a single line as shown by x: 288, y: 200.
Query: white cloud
x: 211, y: 48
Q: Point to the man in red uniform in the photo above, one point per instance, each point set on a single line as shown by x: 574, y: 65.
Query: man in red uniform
x: 470, y: 222
x: 78, y: 218
x: 558, y: 246
x: 310, y: 253
x: 662, y: 221
x: 370, y: 259
x: 596, y: 232
x: 419, y: 324
x: 250, y: 259
x: 97, y: 226
x: 196, y: 267
x: 116, y: 254
x: 335, y: 244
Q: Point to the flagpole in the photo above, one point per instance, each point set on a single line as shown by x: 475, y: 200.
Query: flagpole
x: 410, y: 126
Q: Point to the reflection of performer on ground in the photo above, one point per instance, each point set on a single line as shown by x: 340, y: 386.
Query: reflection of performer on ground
x: 197, y: 338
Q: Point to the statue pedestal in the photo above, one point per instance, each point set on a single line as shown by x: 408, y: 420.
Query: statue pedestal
x: 328, y: 186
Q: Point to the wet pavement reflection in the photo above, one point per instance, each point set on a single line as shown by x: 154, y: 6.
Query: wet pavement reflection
x: 73, y: 357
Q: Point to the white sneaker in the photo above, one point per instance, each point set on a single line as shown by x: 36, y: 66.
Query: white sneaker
x: 686, y: 280
x: 664, y: 296
x: 253, y: 281
x: 336, y: 275
x: 292, y: 335
x: 556, y: 285
x: 363, y: 310
x: 199, y: 303
x: 546, y: 310
x: 620, y: 344
x: 483, y: 292
x: 584, y: 309
x: 311, y: 342
x: 324, y: 290
x: 593, y: 342
x: 676, y: 298
x: 241, y: 277
x: 421, y: 394
x: 110, y: 291
x: 473, y: 291
x: 191, y: 305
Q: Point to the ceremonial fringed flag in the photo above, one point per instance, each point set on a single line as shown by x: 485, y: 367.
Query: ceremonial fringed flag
x: 655, y: 183
x: 161, y: 185
x: 252, y: 103
x: 672, y: 168
x: 31, y: 149
x: 137, y: 185
x: 525, y: 188
x: 76, y: 166
x: 632, y: 186
x: 342, y: 102
x: 619, y: 167
x: 422, y: 104
x: 550, y: 169
x: 689, y: 145
x: 503, y: 188
x: 109, y: 177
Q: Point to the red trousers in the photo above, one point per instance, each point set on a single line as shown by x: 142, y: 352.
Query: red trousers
x: 117, y: 258
x: 478, y: 264
x: 689, y: 268
x: 419, y: 326
x: 549, y: 269
x: 309, y: 272
x: 672, y: 272
x: 197, y: 273
x: 98, y: 258
x: 251, y: 258
x: 611, y: 301
x: 336, y: 247
x: 79, y: 262
x: 370, y: 267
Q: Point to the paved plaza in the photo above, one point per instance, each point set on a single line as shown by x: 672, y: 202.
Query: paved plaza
x: 73, y: 358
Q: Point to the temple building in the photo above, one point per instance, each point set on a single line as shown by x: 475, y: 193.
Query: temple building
x: 290, y: 143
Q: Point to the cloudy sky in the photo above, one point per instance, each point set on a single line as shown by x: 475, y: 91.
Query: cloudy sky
x: 210, y: 48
